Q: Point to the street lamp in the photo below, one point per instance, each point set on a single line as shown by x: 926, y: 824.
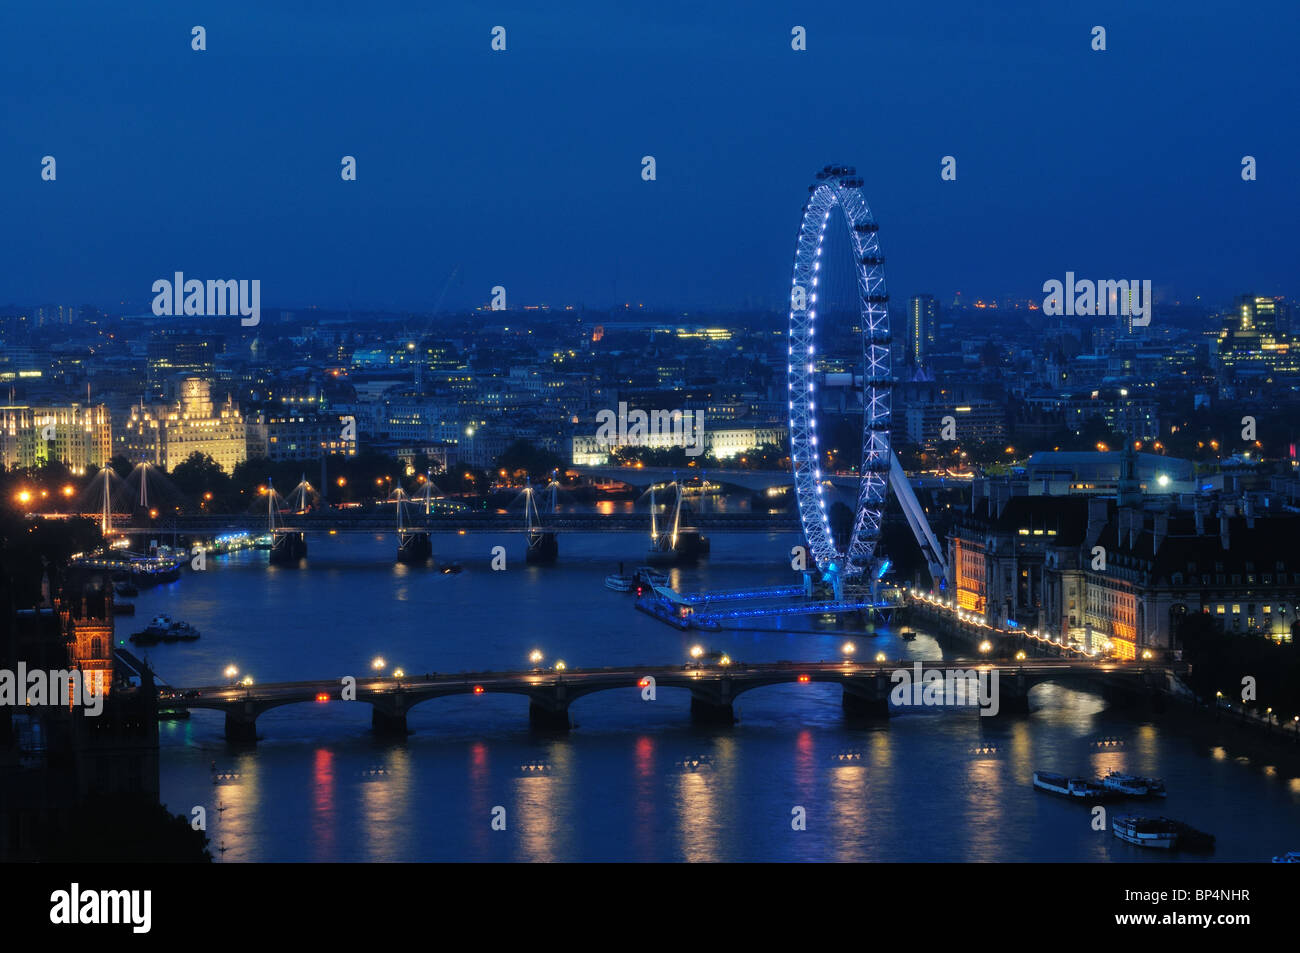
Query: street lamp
x: 378, y: 663
x: 560, y: 666
x: 848, y: 648
x: 1020, y: 656
x: 725, y: 660
x: 881, y: 657
x: 247, y: 681
x: 398, y: 673
x: 535, y: 656
x: 697, y: 651
x: 231, y: 672
x: 986, y: 647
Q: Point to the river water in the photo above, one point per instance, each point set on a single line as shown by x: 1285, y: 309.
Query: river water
x: 635, y: 780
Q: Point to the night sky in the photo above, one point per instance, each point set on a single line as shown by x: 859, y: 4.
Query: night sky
x: 523, y: 168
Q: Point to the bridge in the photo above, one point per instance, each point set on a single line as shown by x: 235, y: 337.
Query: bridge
x: 713, y: 688
x: 370, y: 522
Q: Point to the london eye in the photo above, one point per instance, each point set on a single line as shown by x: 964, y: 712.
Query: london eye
x: 839, y: 186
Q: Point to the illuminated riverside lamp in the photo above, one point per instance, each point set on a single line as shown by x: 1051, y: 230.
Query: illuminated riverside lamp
x: 1147, y: 654
x: 1020, y: 656
x: 398, y: 673
x: 697, y: 651
x: 880, y: 657
x: 986, y: 647
x: 560, y: 666
x: 535, y: 656
x: 848, y: 648
x: 378, y: 663
x: 231, y: 672
x: 725, y: 660
x: 246, y: 681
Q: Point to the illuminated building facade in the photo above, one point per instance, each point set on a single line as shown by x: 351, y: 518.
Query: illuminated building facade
x: 86, y: 619
x: 166, y: 434
x: 1252, y: 337
x: 78, y: 436
x: 922, y: 327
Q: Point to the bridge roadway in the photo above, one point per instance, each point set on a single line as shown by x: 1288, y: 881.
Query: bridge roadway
x: 344, y: 521
x: 713, y: 688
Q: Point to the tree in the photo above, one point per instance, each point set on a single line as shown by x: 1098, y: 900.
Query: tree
x: 522, y: 458
x: 199, y: 475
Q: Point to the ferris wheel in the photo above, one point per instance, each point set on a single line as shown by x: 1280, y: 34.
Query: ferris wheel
x: 840, y: 186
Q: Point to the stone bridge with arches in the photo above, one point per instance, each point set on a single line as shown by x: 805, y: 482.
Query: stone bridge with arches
x: 713, y: 688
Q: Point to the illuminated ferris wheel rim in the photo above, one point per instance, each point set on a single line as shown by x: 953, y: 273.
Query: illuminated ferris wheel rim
x: 839, y: 186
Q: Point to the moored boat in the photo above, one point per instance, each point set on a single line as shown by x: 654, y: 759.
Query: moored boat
x: 1131, y: 785
x: 646, y: 577
x: 1290, y: 857
x: 1160, y: 832
x: 164, y: 629
x: 1145, y: 831
x: 1068, y: 787
x: 618, y: 582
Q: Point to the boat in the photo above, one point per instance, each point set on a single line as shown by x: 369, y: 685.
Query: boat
x: 1160, y: 832
x: 618, y: 582
x: 907, y: 635
x: 1069, y: 787
x: 1133, y: 786
x: 160, y: 626
x: 1144, y: 832
x: 647, y: 577
x: 164, y: 629
x: 450, y: 569
x: 181, y: 632
x: 126, y: 589
x: 1290, y: 857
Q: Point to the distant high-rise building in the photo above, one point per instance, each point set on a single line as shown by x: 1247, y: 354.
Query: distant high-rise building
x: 922, y: 324
x: 181, y: 352
x: 1251, y: 336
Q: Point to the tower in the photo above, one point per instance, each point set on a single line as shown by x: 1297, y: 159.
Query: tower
x: 922, y: 322
x: 86, y: 620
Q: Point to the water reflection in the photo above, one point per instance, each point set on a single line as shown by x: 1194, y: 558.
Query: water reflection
x: 323, y: 820
x: 387, y: 805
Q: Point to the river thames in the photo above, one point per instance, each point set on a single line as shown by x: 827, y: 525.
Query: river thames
x: 634, y: 780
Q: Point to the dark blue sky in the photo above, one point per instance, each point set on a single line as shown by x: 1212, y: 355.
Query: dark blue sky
x: 523, y: 167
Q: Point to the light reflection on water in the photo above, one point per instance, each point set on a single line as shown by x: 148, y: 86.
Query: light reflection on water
x: 929, y: 785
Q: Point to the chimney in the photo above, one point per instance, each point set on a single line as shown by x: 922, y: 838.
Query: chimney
x: 1097, y: 513
x: 1160, y: 531
x: 1001, y: 494
x: 1130, y: 523
x: 1224, y: 532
